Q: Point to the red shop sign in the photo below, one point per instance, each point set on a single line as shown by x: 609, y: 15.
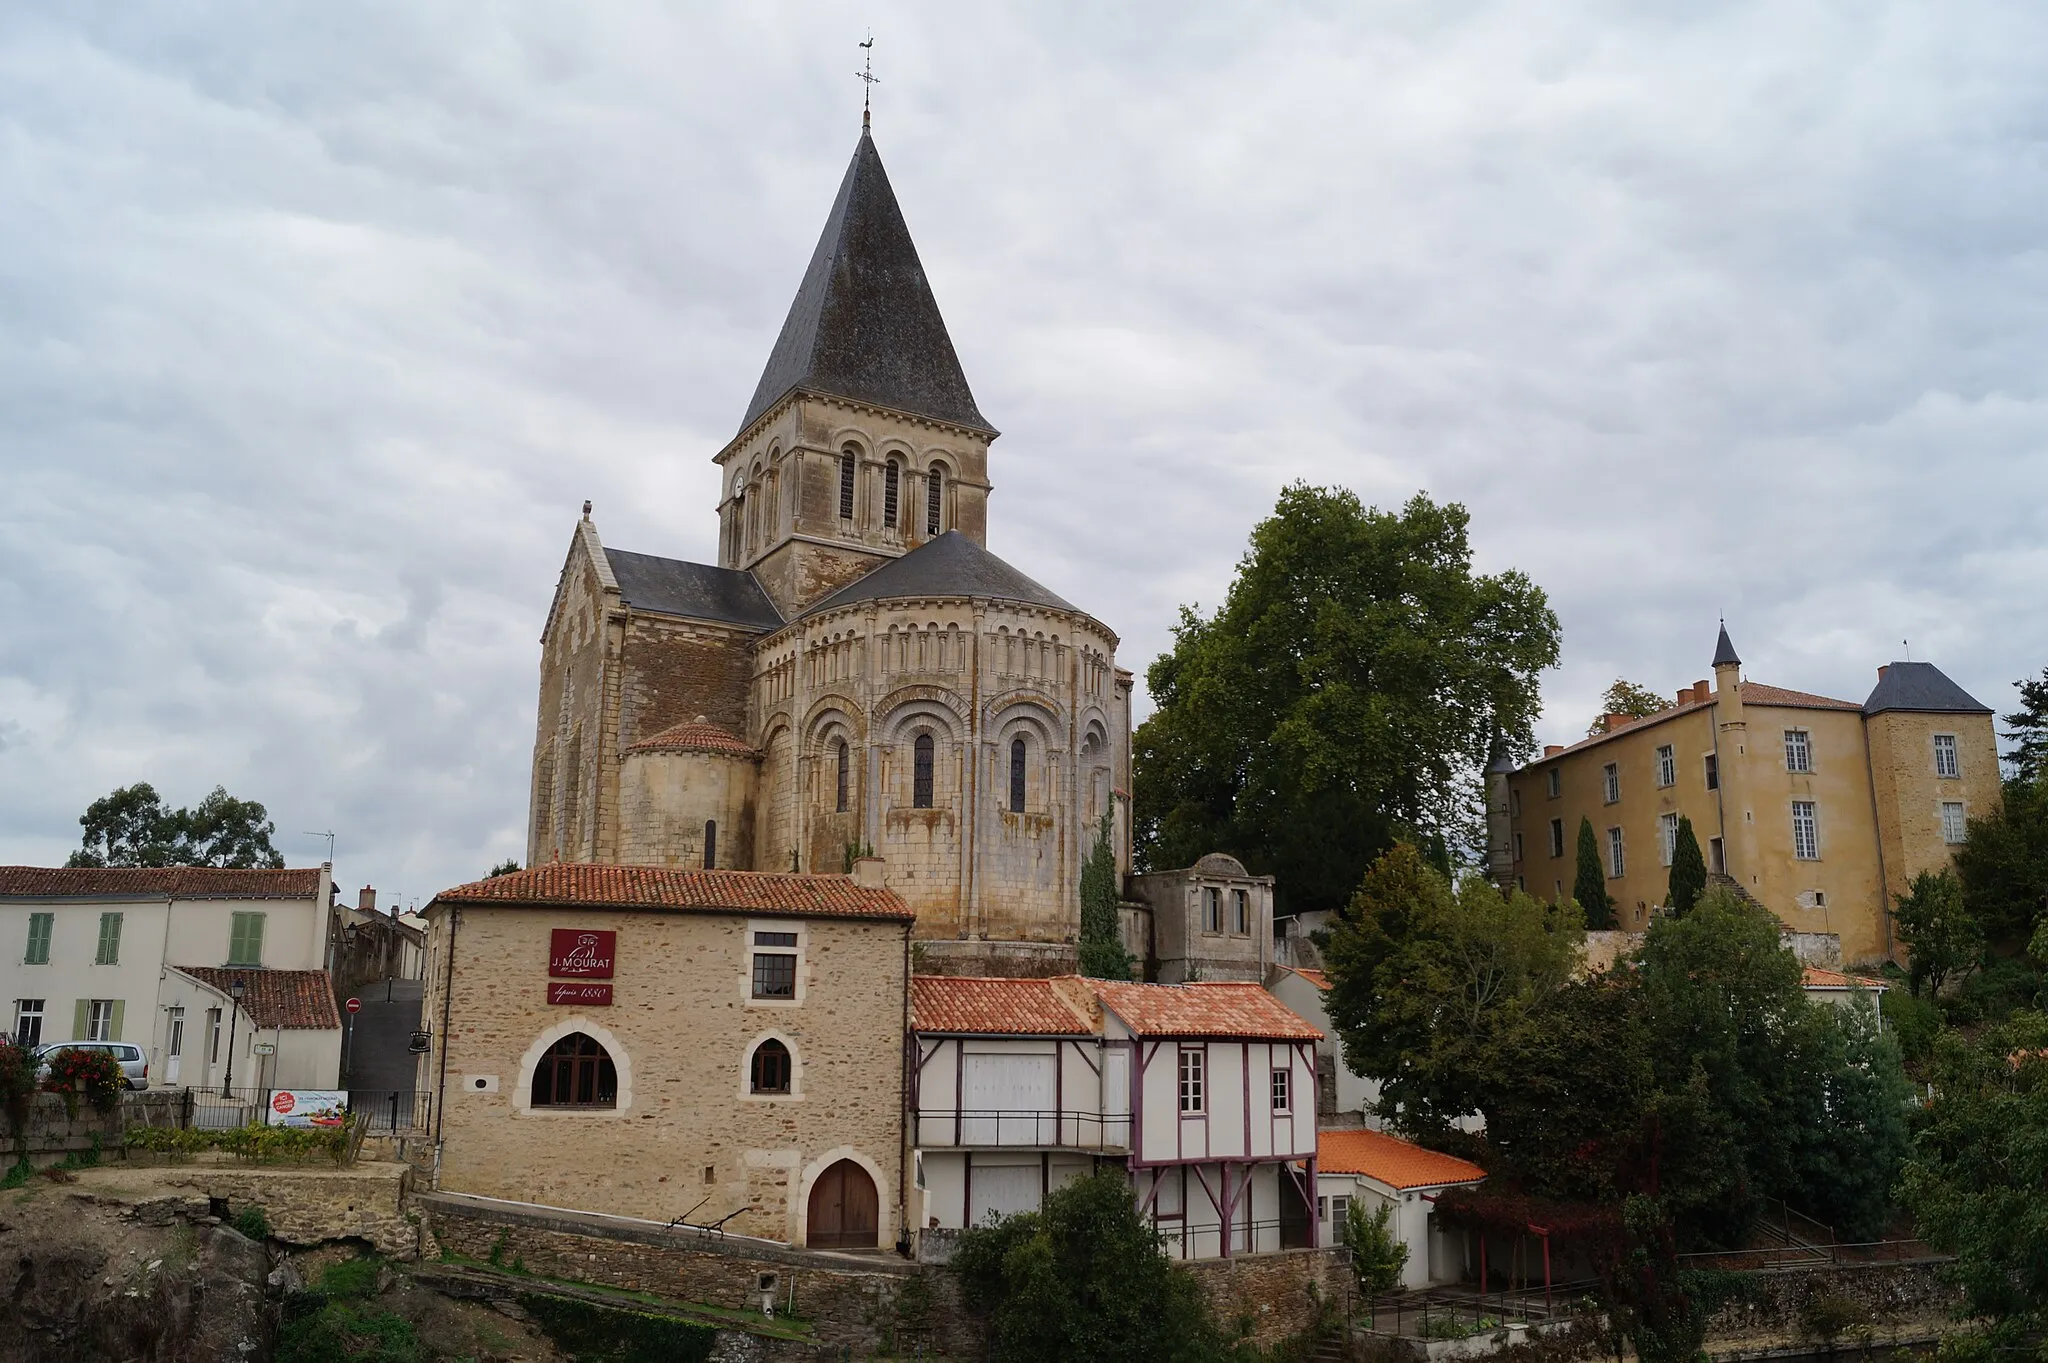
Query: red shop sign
x: 588, y: 995
x: 580, y: 954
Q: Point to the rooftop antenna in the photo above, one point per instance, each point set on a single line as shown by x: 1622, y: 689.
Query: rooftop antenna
x: 867, y: 77
x: 329, y: 835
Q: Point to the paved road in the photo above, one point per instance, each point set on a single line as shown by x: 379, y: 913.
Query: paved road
x: 381, y: 1060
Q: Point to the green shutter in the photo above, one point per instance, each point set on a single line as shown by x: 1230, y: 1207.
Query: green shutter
x: 110, y: 940
x: 78, y: 1016
x: 245, y: 939
x: 114, y: 1030
x: 38, y: 939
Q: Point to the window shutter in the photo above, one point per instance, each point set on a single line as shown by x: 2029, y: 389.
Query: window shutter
x: 114, y: 1029
x: 78, y: 1018
x: 255, y: 935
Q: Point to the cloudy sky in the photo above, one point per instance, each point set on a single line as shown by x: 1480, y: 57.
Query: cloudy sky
x: 319, y: 322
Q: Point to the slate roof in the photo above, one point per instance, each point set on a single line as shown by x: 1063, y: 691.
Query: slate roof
x: 601, y: 885
x: 1391, y: 1161
x: 1920, y: 686
x: 168, y: 882
x: 1724, y: 649
x: 1209, y: 1008
x: 864, y: 324
x: 951, y: 565
x: 993, y: 1007
x: 276, y: 998
x: 669, y: 586
x: 696, y: 736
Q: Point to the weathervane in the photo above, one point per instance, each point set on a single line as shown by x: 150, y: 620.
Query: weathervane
x: 868, y: 78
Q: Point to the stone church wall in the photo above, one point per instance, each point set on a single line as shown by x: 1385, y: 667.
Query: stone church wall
x: 564, y: 805
x: 666, y: 798
x: 677, y: 670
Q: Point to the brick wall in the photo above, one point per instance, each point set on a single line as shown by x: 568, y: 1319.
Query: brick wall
x: 680, y: 1031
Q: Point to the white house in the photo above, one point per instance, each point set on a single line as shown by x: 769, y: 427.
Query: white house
x: 1845, y: 991
x: 109, y: 954
x: 1349, y: 1096
x: 1204, y: 1093
x: 1385, y: 1170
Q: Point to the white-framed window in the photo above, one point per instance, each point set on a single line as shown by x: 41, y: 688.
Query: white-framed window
x: 28, y: 1022
x: 1798, y: 751
x: 773, y: 973
x: 1954, y: 827
x: 1283, y: 1089
x: 1667, y: 837
x: 1805, y: 831
x: 1340, y: 1210
x: 1667, y: 766
x: 1193, y: 1096
x: 1617, y: 860
x: 1610, y: 776
x: 1556, y: 779
x: 1945, y: 762
x: 99, y: 1020
x: 1557, y: 837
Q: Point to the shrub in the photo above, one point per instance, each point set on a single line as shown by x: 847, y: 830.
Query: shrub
x: 256, y: 1142
x: 1912, y: 1021
x: 1994, y: 993
x: 344, y: 1332
x: 1824, y: 1316
x: 252, y: 1222
x: 92, y: 1076
x: 352, y: 1277
x: 17, y: 1082
x: 585, y: 1330
x: 1377, y: 1256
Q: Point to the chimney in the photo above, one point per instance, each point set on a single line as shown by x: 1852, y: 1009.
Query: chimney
x: 1685, y: 696
x: 867, y: 872
x: 1702, y: 691
x: 366, y: 899
x: 1552, y: 749
x: 1882, y: 668
x: 1610, y: 722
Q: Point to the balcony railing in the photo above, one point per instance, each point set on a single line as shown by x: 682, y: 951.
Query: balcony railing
x: 1023, y: 1127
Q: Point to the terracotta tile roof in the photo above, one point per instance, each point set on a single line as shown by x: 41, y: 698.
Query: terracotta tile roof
x: 1633, y: 726
x: 1314, y: 977
x: 1756, y: 693
x: 1216, y: 1008
x: 1390, y: 1160
x: 276, y: 998
x: 1815, y: 977
x: 696, y: 736
x: 180, y: 882
x: 603, y: 885
x: 944, y: 1003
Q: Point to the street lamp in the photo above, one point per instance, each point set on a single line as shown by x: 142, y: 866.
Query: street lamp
x: 235, y: 988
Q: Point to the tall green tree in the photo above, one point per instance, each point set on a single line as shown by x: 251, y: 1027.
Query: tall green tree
x: 1688, y: 870
x: 1589, y: 885
x: 1942, y: 937
x: 1084, y: 1277
x: 1102, y: 945
x: 1624, y: 697
x: 1344, y: 696
x: 131, y: 826
x: 2004, y: 866
x: 1977, y: 1180
x: 2027, y: 727
x: 1424, y: 978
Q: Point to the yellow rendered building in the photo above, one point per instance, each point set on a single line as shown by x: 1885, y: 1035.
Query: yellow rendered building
x: 1822, y: 810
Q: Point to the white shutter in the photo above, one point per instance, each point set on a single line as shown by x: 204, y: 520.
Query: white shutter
x: 1002, y: 1189
x: 1008, y: 1100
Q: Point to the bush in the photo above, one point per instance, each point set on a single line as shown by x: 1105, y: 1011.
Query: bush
x: 1996, y: 992
x: 352, y: 1277
x: 1377, y: 1256
x: 91, y: 1076
x: 1912, y: 1021
x: 316, y: 1330
x: 255, y: 1142
x: 1824, y: 1316
x: 585, y: 1330
x: 17, y: 1082
x: 252, y: 1222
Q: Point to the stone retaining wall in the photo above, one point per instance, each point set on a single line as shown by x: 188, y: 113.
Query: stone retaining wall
x: 1279, y: 1293
x: 1777, y: 1303
x: 52, y: 1133
x: 309, y: 1206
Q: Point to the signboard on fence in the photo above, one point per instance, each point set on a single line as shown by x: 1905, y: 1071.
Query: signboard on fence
x: 307, y: 1107
x: 577, y: 954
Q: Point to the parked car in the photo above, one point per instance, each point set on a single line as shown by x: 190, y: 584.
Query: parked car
x: 130, y: 1057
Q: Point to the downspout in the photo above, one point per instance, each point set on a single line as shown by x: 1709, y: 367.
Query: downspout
x: 903, y: 1109
x: 447, y: 1009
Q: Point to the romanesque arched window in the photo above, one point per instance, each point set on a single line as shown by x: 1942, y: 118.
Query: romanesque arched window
x: 770, y: 1069
x: 1017, y: 775
x: 934, y: 499
x: 845, y: 771
x: 576, y: 1072
x: 849, y: 465
x: 921, y: 772
x: 892, y: 479
x: 711, y: 844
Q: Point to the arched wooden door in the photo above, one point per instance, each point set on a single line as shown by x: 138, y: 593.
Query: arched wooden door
x: 845, y: 1209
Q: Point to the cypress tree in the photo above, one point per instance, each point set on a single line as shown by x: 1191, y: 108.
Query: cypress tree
x: 1688, y: 870
x: 1102, y: 945
x: 1590, y: 888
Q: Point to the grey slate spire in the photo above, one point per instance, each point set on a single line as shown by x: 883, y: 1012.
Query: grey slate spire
x: 864, y: 324
x: 1724, y: 651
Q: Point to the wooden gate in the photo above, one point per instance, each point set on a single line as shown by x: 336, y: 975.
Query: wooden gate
x: 845, y: 1210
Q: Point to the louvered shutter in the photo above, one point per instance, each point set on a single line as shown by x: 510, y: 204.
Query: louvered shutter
x: 78, y: 1019
x: 114, y: 1028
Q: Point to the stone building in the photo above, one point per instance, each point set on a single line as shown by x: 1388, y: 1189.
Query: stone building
x: 1209, y: 921
x: 857, y: 673
x: 1823, y: 810
x: 656, y: 1042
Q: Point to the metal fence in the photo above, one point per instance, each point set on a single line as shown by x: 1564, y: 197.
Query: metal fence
x: 381, y: 1111
x: 1806, y: 1256
x: 1070, y: 1128
x: 1459, y: 1312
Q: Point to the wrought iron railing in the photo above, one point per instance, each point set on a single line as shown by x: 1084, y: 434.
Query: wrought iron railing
x: 1023, y: 1127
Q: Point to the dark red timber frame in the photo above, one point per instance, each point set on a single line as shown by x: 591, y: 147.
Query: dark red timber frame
x: 1146, y: 1050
